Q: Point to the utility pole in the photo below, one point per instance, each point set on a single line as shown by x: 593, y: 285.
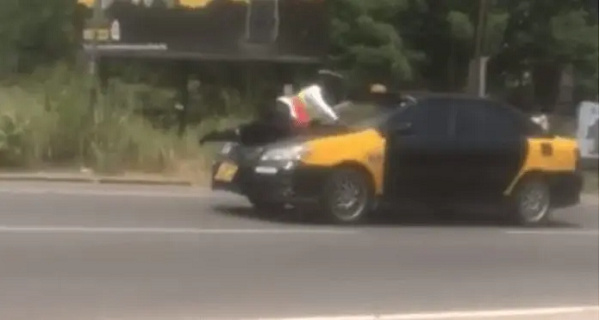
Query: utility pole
x: 478, y: 65
x: 480, y: 32
x: 95, y: 23
x: 93, y: 55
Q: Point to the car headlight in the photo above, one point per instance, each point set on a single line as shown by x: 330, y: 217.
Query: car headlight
x: 291, y: 153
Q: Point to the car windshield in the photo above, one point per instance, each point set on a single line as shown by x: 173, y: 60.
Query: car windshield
x: 370, y: 113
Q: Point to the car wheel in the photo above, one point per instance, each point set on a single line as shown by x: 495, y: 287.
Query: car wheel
x: 348, y: 197
x: 531, y: 202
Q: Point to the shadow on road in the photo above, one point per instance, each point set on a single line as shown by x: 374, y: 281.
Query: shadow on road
x: 405, y: 217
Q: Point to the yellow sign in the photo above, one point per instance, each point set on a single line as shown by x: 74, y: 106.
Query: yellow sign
x: 89, y: 34
x: 201, y: 3
x: 87, y: 3
x: 102, y: 34
x: 226, y: 172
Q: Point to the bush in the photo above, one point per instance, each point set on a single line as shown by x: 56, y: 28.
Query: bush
x: 47, y: 119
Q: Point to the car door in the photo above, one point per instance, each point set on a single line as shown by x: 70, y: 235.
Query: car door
x: 489, y: 147
x: 472, y: 153
x: 416, y: 151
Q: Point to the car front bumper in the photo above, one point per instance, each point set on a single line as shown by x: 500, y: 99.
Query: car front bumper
x: 291, y: 183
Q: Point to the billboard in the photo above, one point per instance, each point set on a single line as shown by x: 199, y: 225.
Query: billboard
x: 270, y: 30
x: 587, y: 130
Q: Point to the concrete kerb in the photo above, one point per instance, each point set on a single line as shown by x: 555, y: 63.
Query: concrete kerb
x: 155, y: 182
x: 587, y: 197
x: 591, y: 198
x: 92, y: 179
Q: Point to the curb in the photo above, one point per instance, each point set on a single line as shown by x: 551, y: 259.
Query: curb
x: 95, y: 180
x: 590, y: 198
x: 180, y: 183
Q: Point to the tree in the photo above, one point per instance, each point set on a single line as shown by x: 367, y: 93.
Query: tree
x: 35, y: 32
x: 543, y: 38
x: 367, y: 45
x: 444, y: 31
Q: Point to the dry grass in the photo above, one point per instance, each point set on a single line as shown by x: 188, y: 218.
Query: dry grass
x: 47, y: 120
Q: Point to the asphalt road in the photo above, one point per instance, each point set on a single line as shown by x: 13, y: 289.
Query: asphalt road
x: 97, y: 252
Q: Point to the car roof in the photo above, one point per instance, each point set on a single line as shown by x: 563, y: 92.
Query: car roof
x: 391, y: 98
x: 424, y: 95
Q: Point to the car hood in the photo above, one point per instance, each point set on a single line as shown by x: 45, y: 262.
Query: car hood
x: 311, y: 134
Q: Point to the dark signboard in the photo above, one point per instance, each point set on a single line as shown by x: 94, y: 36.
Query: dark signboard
x: 270, y: 30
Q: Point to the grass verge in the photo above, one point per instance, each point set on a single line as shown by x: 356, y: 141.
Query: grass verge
x: 47, y: 120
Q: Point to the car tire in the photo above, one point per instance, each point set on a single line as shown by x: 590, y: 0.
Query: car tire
x: 348, y: 197
x: 530, y: 204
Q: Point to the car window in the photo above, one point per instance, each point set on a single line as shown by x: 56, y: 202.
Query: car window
x: 430, y: 118
x: 500, y: 122
x: 481, y: 120
x: 371, y: 114
x: 356, y: 112
x: 469, y: 119
x: 526, y: 124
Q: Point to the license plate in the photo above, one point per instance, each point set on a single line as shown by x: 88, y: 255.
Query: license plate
x: 226, y: 172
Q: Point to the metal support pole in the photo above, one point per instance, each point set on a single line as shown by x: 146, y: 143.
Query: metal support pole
x: 93, y: 58
x: 480, y: 32
x: 481, y: 85
x: 184, y: 96
x: 478, y: 82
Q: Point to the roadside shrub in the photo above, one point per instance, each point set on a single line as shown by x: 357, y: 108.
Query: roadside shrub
x: 47, y: 119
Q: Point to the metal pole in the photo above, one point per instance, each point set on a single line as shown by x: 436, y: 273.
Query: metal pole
x: 482, y: 76
x: 93, y: 59
x: 479, y: 59
x: 97, y: 14
x: 480, y: 28
x: 184, y: 95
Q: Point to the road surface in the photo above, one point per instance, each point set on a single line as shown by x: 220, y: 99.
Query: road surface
x: 83, y: 252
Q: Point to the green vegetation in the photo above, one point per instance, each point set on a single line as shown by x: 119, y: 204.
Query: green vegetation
x: 46, y: 117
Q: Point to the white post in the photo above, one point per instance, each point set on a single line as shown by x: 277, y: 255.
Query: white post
x: 482, y: 68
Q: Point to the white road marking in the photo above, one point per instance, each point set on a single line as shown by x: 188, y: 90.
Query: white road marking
x: 184, y: 231
x: 483, y: 314
x: 589, y: 233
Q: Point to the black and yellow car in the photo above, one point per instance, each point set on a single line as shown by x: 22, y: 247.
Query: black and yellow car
x: 433, y: 148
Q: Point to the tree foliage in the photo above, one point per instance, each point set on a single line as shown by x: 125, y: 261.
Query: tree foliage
x: 35, y: 32
x: 366, y: 44
x: 403, y: 43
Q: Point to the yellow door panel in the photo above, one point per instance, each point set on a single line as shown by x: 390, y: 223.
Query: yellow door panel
x: 365, y: 148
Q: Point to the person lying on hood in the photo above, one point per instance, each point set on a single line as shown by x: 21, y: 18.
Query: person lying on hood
x: 291, y: 114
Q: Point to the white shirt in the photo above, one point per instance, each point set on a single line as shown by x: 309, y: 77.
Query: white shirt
x: 316, y: 106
